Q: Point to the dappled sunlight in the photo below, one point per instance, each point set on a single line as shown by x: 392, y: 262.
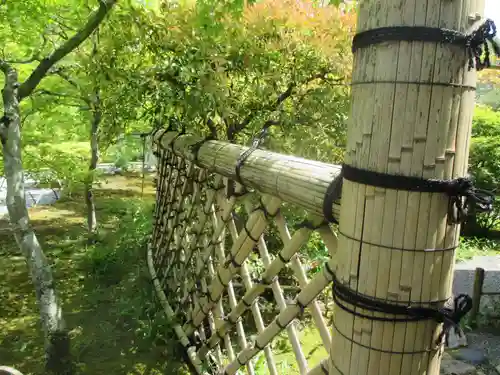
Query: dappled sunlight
x: 49, y: 213
x: 104, y: 288
x: 125, y: 182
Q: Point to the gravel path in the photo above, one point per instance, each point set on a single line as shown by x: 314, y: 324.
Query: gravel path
x: 484, y: 347
x: 488, y: 342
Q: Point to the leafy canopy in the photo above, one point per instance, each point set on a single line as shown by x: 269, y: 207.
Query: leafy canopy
x: 216, y: 68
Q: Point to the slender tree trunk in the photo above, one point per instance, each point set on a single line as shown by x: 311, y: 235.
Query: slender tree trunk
x: 57, y: 346
x: 94, y: 158
x: 95, y: 105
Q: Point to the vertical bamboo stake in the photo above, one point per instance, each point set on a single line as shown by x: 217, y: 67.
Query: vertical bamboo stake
x: 477, y: 291
x: 402, y: 122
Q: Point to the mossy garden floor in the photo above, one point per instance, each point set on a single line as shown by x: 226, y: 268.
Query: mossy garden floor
x: 116, y: 328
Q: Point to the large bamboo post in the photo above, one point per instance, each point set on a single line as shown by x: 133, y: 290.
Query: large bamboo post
x: 417, y: 127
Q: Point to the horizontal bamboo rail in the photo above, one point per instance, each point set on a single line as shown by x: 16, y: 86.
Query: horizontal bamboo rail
x: 211, y: 260
x: 298, y: 181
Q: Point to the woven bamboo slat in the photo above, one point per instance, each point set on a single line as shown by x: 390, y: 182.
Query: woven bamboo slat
x: 418, y: 127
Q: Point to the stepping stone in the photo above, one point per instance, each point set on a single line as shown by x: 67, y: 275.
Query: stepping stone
x: 451, y: 366
x: 473, y: 356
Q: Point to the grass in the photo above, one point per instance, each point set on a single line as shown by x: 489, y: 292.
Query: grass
x: 116, y: 326
x: 471, y: 247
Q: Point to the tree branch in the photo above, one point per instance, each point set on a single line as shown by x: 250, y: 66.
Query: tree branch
x: 61, y: 73
x: 35, y: 55
x: 269, y: 107
x: 212, y: 128
x: 59, y: 95
x: 28, y: 60
x: 59, y: 53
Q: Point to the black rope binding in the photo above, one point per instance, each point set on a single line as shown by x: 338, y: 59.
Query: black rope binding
x: 464, y: 197
x: 331, y: 196
x: 475, y: 43
x: 449, y: 316
x: 256, y: 142
x: 195, y: 147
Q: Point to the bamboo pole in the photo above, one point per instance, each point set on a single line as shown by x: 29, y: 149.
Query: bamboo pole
x: 295, y: 180
x: 416, y: 128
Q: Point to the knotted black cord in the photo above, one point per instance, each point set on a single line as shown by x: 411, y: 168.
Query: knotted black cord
x: 463, y: 195
x: 153, y: 134
x: 262, y: 207
x: 161, y: 137
x: 195, y: 147
x: 474, y: 43
x: 451, y: 317
x: 395, y: 248
x: 309, y: 225
x: 256, y: 142
x: 181, y: 133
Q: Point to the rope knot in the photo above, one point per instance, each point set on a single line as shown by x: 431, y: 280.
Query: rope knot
x: 465, y: 196
x: 477, y: 43
x: 451, y: 316
x: 461, y: 186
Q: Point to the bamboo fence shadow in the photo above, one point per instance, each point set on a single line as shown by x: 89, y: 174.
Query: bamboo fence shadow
x: 203, y: 266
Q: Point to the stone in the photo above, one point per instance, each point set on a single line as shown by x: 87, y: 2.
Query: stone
x: 452, y: 366
x: 473, y: 356
x: 463, y: 280
x: 456, y: 339
x: 498, y: 369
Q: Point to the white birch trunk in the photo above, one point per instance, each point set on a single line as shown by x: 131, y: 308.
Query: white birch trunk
x: 94, y: 159
x: 55, y: 333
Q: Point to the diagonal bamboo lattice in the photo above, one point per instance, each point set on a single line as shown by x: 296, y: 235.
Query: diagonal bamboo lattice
x: 213, y: 265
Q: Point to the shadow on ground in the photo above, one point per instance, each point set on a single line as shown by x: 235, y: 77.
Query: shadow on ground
x: 116, y: 326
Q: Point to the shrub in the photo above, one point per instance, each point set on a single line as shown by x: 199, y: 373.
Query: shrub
x: 109, y: 260
x: 484, y: 159
x: 486, y: 122
x: 484, y: 166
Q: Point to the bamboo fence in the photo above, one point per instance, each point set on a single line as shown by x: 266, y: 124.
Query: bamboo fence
x: 211, y: 257
x: 203, y: 254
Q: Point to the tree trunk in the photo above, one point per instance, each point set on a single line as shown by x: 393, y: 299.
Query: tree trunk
x: 94, y: 158
x: 57, y: 346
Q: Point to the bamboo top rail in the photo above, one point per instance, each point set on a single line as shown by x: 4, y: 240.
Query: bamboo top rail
x: 295, y: 180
